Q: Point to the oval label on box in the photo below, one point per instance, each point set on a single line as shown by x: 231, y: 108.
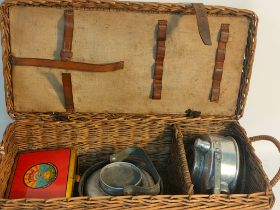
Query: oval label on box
x: 40, y: 176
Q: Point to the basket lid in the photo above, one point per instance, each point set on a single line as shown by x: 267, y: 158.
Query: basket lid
x: 121, y: 33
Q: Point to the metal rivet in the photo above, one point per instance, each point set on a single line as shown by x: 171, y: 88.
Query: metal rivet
x: 113, y: 158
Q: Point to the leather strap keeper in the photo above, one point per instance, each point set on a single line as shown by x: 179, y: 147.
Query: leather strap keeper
x: 77, y: 66
x: 68, y: 94
x: 219, y: 63
x: 202, y: 23
x: 66, y: 52
x: 160, y: 53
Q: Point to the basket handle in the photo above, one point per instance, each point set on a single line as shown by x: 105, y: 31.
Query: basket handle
x: 276, y: 178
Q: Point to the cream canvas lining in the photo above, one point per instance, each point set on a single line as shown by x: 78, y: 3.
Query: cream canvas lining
x: 111, y: 36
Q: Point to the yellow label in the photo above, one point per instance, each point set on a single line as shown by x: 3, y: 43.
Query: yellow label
x: 71, y: 173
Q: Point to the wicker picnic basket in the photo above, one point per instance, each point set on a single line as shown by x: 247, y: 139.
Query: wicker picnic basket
x: 98, y: 120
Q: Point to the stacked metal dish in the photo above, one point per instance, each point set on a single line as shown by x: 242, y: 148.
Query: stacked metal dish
x: 129, y: 172
x: 218, y: 165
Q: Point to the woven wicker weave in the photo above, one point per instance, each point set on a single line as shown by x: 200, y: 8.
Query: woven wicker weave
x: 98, y: 135
x: 95, y: 140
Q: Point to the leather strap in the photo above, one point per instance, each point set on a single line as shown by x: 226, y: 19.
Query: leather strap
x: 202, y: 23
x: 77, y: 66
x: 68, y: 94
x: 160, y: 53
x: 219, y: 63
x: 66, y: 52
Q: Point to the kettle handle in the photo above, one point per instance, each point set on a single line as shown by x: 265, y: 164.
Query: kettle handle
x: 276, y: 178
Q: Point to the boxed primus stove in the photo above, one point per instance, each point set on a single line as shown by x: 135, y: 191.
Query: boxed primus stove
x: 103, y: 76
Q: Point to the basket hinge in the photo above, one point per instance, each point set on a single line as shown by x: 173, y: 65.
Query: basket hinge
x: 60, y: 117
x: 192, y: 113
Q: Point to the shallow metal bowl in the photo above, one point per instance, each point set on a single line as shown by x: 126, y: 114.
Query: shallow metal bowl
x: 115, y: 176
x: 112, y: 178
